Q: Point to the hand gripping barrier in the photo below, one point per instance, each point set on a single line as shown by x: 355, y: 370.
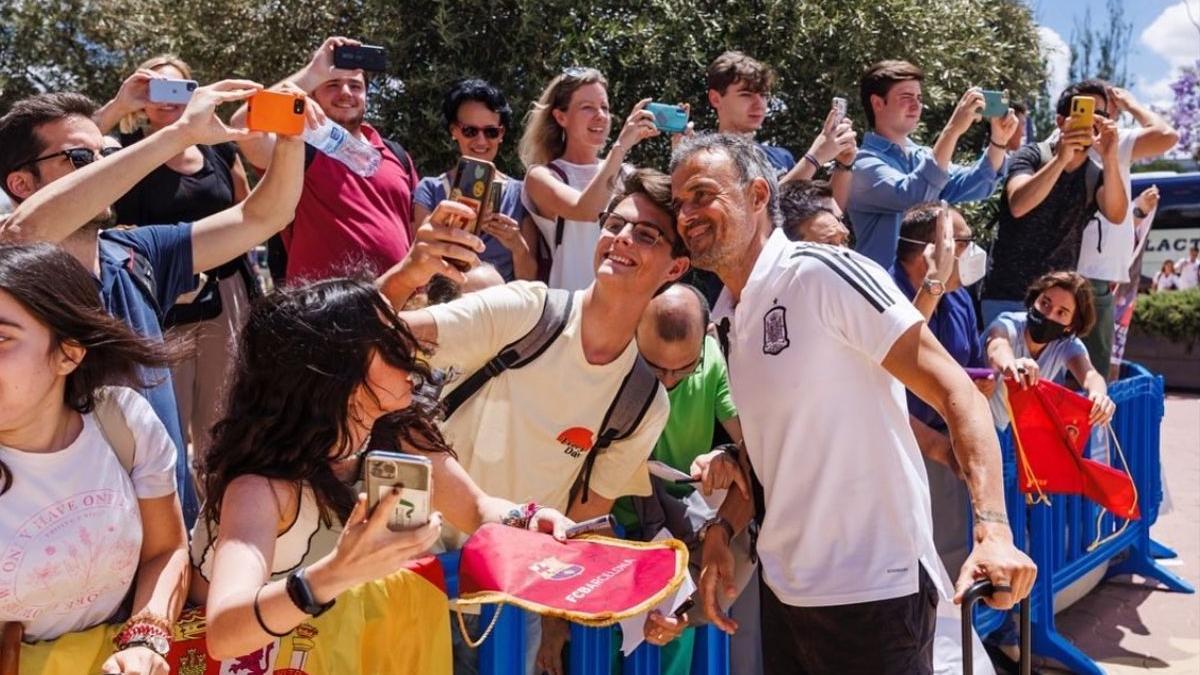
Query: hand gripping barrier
x: 1067, y: 539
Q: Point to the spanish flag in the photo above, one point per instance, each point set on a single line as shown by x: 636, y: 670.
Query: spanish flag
x: 399, y: 624
x: 1051, y: 430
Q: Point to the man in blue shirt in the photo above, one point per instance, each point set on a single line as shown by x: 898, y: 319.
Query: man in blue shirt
x: 893, y: 173
x: 54, y: 163
x: 739, y: 87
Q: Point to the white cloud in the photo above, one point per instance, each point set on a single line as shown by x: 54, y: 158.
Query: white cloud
x: 1174, y: 34
x: 1058, y: 58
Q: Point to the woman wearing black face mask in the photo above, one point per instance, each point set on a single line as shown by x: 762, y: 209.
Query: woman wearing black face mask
x: 1043, y: 342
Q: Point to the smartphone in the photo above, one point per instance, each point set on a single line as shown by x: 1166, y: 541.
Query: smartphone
x: 473, y: 181
x: 995, y: 103
x: 670, y: 119
x: 360, y: 57
x: 684, y: 608
x: 170, y: 91
x: 276, y: 112
x: 597, y: 524
x: 1083, y: 114
x: 384, y: 470
x: 494, y: 195
x: 839, y: 108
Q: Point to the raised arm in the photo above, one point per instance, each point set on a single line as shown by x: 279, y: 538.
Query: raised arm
x: 57, y: 210
x: 1112, y: 199
x: 926, y: 369
x: 1156, y: 137
x: 555, y: 198
x: 1025, y: 192
x: 131, y: 97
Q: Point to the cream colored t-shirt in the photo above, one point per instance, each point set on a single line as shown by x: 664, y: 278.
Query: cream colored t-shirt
x: 525, y: 434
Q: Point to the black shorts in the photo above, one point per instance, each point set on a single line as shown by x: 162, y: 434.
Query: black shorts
x: 873, y: 638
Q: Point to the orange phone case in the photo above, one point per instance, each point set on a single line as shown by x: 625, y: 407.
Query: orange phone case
x: 1083, y: 109
x: 276, y: 112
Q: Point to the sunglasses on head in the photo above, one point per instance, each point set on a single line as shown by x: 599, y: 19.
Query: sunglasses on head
x: 575, y: 71
x: 79, y: 157
x: 489, y: 132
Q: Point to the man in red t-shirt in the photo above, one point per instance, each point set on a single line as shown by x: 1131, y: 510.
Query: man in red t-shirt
x: 343, y: 219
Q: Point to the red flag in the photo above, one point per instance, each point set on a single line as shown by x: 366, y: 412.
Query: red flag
x: 1050, y: 425
x: 592, y: 580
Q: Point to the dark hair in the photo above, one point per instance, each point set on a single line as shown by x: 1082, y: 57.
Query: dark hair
x: 749, y: 160
x: 733, y: 67
x: 1090, y: 87
x: 1019, y: 107
x: 59, y: 292
x: 800, y: 201
x: 474, y: 89
x: 302, y: 354
x: 19, y: 140
x: 675, y: 323
x: 1074, y: 283
x: 879, y: 79
x: 656, y: 187
x: 919, y: 224
x: 442, y: 289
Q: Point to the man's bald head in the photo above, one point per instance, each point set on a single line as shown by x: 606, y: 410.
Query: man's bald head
x: 671, y: 333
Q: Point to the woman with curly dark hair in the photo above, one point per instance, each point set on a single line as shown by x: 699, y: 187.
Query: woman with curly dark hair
x: 88, y: 510
x: 319, y: 367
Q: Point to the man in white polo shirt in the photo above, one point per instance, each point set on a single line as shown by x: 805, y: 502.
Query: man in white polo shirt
x: 821, y: 347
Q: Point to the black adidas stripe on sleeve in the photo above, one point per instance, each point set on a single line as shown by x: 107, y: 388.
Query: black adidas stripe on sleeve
x: 852, y: 273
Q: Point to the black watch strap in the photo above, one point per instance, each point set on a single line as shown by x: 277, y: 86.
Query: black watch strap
x: 716, y: 521
x: 302, y: 596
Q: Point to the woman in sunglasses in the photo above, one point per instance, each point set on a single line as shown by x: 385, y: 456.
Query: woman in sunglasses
x: 198, y: 182
x: 567, y: 184
x: 477, y: 115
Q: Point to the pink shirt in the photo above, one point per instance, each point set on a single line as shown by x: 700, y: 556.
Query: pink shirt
x: 343, y: 218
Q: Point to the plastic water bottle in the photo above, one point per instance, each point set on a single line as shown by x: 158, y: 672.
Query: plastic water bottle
x: 262, y: 269
x: 332, y: 139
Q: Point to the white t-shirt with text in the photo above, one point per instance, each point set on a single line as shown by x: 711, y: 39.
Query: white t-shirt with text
x: 70, y: 528
x: 826, y: 426
x: 525, y: 434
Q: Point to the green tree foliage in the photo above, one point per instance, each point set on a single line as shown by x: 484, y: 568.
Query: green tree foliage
x: 647, y: 48
x: 1102, y: 52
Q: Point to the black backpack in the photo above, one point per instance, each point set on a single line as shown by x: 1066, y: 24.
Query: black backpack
x: 624, y: 414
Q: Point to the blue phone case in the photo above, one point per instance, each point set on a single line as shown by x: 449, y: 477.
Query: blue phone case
x: 670, y: 119
x: 994, y: 104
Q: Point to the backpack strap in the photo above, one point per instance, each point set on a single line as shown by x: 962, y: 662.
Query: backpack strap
x: 555, y: 312
x: 140, y: 270
x: 623, y: 417
x: 400, y: 153
x: 115, y: 429
x: 560, y: 222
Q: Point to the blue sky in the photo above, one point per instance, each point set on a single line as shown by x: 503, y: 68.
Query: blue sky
x: 1163, y: 39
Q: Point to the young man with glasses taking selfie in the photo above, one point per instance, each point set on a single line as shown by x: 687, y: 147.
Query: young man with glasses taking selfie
x: 56, y: 166
x: 529, y: 432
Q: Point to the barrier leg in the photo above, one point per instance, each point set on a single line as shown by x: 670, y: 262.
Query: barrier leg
x: 1160, y: 552
x: 1141, y: 562
x: 504, y: 650
x: 591, y: 650
x: 645, y: 660
x: 710, y: 656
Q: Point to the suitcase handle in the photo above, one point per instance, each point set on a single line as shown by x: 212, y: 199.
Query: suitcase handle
x: 984, y: 589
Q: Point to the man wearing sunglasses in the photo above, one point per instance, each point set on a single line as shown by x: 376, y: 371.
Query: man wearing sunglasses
x: 342, y: 217
x: 64, y: 177
x: 810, y: 213
x: 529, y: 431
x: 1052, y: 191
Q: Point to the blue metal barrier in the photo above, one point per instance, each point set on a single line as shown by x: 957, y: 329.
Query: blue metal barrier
x: 1058, y: 537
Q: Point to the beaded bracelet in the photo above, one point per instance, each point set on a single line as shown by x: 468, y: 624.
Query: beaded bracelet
x: 519, y: 516
x: 143, y: 625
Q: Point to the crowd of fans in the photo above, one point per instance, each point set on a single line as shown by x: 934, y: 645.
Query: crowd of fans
x: 156, y: 402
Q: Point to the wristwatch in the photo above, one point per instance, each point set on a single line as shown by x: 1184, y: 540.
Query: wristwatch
x: 302, y: 596
x: 1138, y: 212
x: 715, y: 521
x: 934, y: 287
x: 155, y: 643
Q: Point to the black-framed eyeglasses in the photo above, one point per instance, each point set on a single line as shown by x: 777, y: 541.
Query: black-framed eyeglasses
x: 79, y: 157
x: 489, y: 132
x: 686, y: 371
x: 644, y: 234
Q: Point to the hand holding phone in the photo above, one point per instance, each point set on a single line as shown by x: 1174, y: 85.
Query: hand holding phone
x: 995, y: 103
x: 670, y: 119
x: 166, y: 90
x: 412, y: 474
x: 839, y: 111
x: 276, y: 112
x: 597, y: 524
x: 370, y: 58
x: 1083, y: 115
